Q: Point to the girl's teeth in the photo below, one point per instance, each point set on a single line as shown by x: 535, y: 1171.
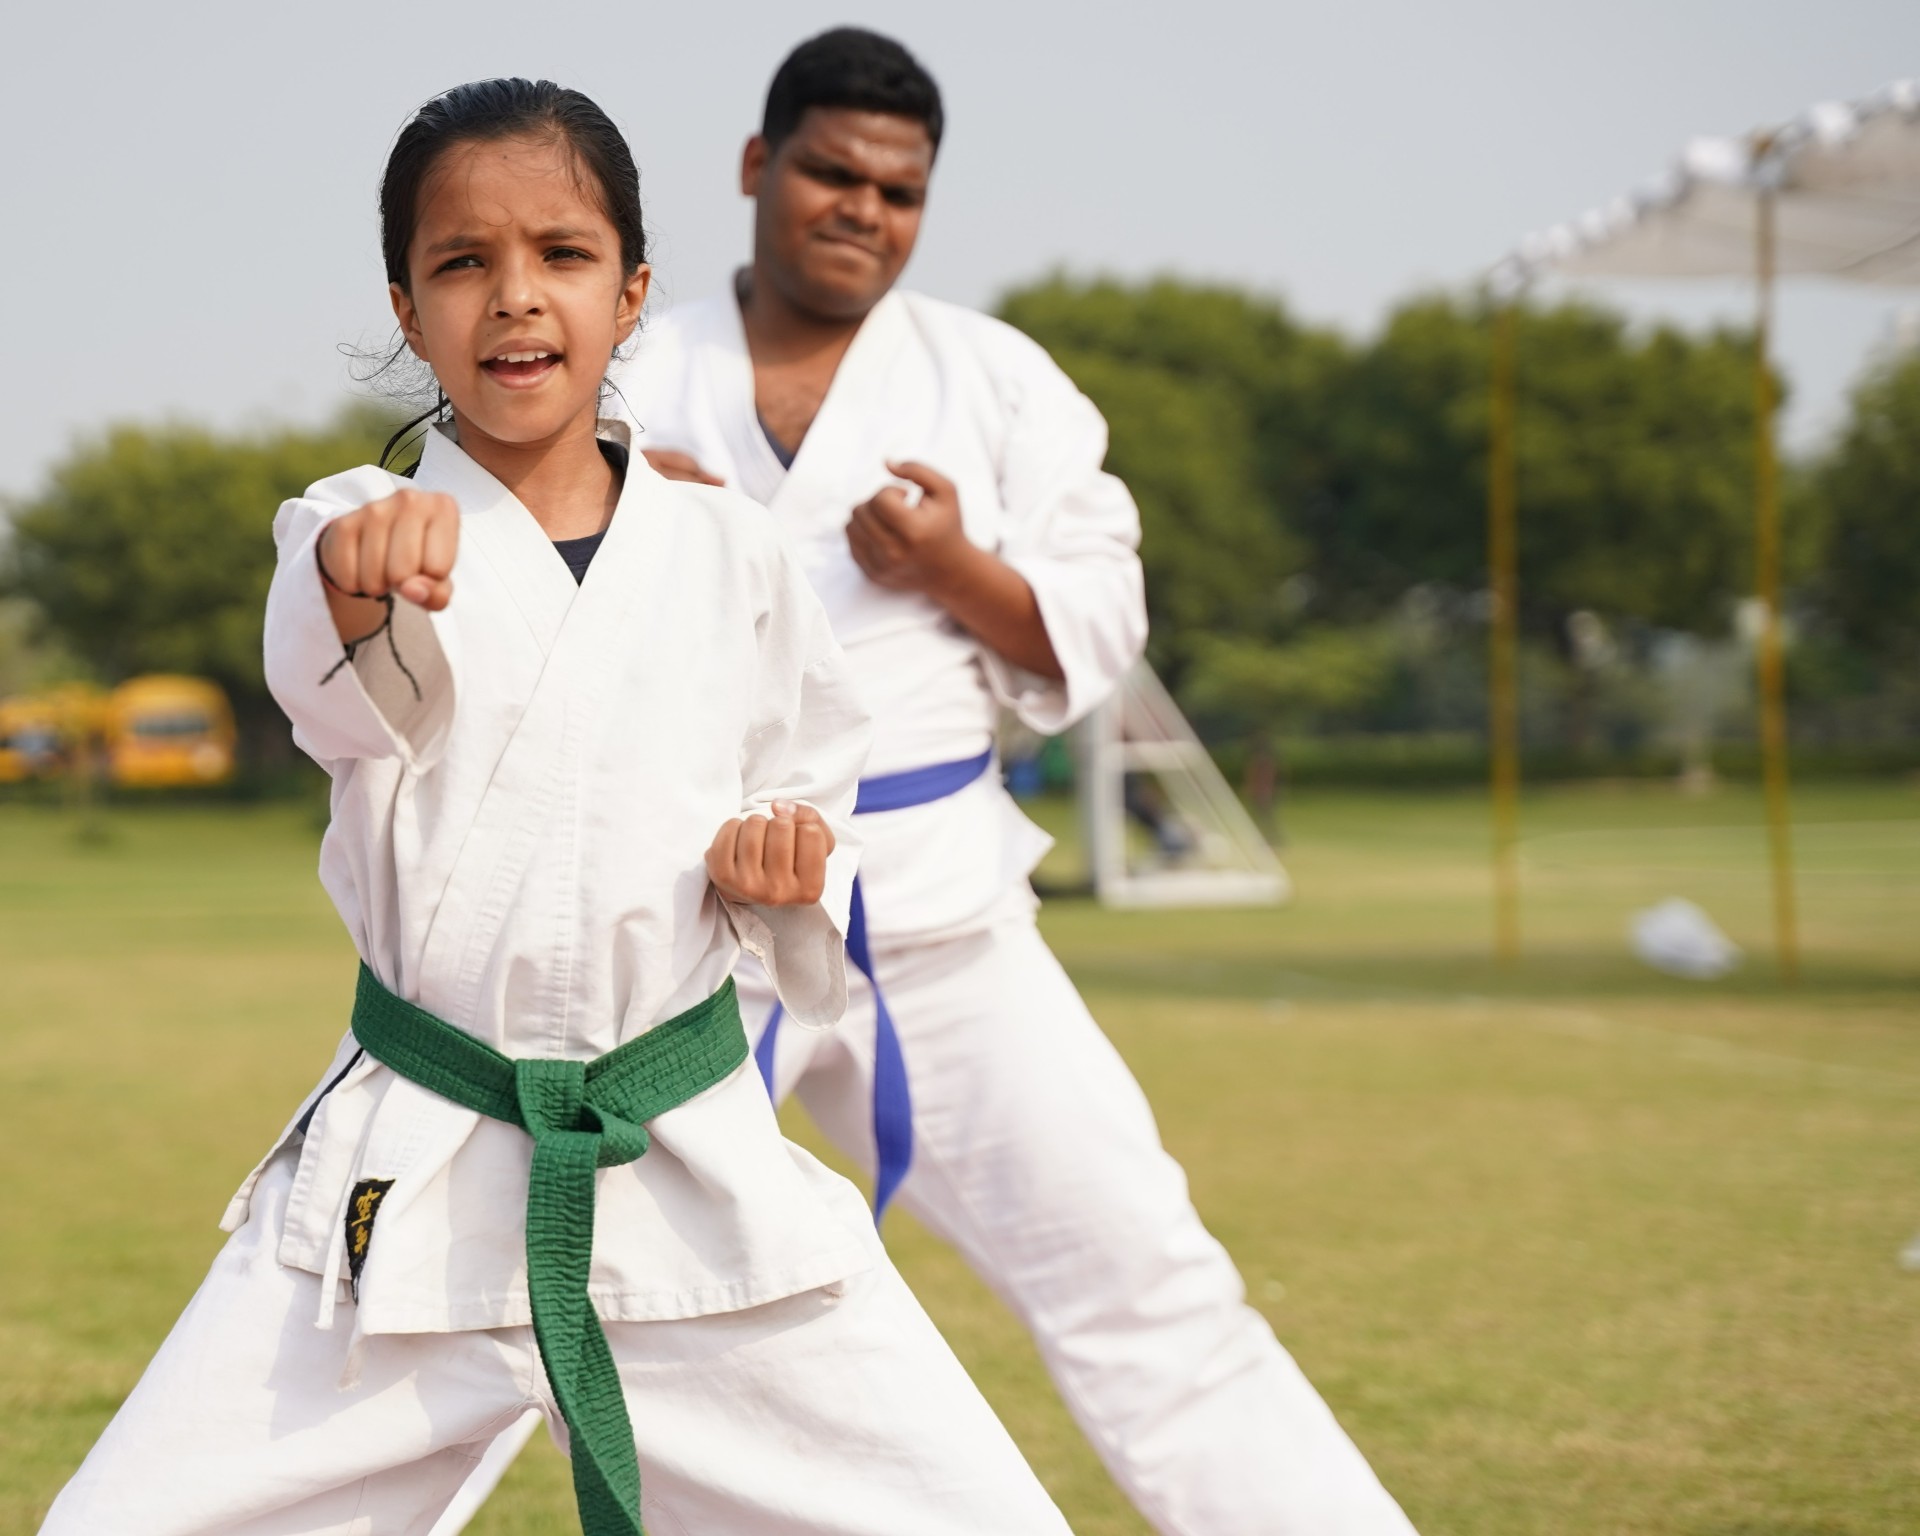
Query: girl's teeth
x: 522, y: 357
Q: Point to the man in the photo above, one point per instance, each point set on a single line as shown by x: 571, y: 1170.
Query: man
x: 941, y: 480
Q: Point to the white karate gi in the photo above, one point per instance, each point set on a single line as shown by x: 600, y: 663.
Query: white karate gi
x: 1035, y: 1152
x: 519, y: 849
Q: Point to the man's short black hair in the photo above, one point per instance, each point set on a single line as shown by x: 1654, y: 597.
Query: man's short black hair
x: 851, y: 67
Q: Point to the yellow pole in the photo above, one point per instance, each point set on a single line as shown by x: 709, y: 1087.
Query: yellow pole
x: 1503, y: 712
x: 1772, y: 668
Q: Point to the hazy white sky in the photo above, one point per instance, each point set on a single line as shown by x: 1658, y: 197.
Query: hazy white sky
x: 189, y: 187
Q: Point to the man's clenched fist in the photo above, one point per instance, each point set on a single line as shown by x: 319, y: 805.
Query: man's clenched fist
x: 913, y: 546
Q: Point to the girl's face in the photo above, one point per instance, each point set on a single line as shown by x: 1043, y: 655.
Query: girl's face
x: 516, y: 296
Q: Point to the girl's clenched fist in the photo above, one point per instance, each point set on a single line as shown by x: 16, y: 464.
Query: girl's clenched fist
x: 772, y: 861
x: 400, y: 546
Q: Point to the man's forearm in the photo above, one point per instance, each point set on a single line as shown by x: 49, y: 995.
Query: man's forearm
x: 994, y: 603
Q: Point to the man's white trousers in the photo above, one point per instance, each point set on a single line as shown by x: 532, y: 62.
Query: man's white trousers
x: 837, y: 1412
x: 1036, y: 1155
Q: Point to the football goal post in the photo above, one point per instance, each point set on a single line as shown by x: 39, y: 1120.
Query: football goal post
x: 1163, y: 828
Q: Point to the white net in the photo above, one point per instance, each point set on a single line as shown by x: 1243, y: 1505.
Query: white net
x: 1163, y: 828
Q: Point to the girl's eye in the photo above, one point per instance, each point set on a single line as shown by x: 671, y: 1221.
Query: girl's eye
x: 567, y: 253
x: 458, y: 261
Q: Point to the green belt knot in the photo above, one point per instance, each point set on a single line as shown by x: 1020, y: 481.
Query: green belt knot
x: 582, y: 1116
x: 555, y: 1100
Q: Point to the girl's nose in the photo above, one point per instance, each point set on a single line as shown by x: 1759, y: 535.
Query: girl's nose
x: 519, y: 290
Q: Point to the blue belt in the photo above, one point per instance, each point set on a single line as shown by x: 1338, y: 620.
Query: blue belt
x: 892, y: 1099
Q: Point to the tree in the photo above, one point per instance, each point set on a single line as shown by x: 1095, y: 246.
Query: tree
x: 1634, y: 453
x: 1270, y: 689
x: 1867, y: 489
x: 150, y: 548
x: 1214, y: 399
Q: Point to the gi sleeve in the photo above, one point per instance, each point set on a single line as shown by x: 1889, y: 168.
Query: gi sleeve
x: 809, y: 745
x: 1072, y: 530
x: 395, y: 696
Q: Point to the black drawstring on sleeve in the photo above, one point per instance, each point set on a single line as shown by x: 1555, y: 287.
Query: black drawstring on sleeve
x: 351, y: 648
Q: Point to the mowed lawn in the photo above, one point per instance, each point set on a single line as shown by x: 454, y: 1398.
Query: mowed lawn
x: 1575, y: 1249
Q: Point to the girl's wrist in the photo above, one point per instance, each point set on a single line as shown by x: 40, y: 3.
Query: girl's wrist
x: 320, y: 564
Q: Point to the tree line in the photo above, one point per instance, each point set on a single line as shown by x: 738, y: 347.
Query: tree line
x: 1313, y: 506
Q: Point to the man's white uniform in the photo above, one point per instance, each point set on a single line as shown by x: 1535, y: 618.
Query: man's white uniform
x: 524, y: 787
x: 1035, y: 1152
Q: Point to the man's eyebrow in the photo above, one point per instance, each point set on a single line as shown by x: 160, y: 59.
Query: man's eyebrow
x: 816, y: 160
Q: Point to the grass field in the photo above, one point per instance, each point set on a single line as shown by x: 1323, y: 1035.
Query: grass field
x: 1575, y: 1249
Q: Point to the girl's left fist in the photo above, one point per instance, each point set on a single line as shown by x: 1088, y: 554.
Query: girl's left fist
x: 772, y: 861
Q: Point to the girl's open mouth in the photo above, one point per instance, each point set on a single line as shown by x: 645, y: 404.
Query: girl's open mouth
x: 519, y: 369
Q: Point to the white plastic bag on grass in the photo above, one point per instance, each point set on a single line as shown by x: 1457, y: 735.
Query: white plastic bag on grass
x: 1680, y: 939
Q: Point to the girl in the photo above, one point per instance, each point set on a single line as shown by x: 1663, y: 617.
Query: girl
x: 539, y: 1172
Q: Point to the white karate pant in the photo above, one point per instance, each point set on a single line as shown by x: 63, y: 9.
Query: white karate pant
x: 1036, y: 1155
x: 838, y: 1412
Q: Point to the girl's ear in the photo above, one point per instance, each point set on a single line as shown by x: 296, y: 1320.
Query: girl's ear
x: 633, y: 299
x: 409, y: 318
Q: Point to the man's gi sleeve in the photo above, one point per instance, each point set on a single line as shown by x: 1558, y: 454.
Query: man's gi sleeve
x: 809, y: 745
x: 395, y: 697
x: 1072, y: 530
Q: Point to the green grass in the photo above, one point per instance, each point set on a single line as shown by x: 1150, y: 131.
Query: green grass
x: 1571, y: 1249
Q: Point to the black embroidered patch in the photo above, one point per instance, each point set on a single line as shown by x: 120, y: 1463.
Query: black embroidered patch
x: 361, y: 1209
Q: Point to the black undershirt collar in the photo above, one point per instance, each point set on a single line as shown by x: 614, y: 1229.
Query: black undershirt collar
x: 579, y: 553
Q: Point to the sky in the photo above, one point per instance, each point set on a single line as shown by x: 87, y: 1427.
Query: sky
x: 190, y: 229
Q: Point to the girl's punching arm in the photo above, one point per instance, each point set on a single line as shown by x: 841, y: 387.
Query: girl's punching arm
x: 799, y: 772
x: 363, y: 676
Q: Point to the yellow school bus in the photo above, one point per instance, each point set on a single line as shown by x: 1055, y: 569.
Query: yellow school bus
x: 49, y: 734
x: 30, y: 745
x: 169, y: 733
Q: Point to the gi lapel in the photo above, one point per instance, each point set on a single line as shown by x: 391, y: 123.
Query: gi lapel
x: 503, y: 533
x: 726, y: 367
x: 539, y: 770
x: 842, y: 458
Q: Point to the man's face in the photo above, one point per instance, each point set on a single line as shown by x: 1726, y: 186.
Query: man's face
x: 839, y: 206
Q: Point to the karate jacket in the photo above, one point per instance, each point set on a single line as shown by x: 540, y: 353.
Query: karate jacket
x: 982, y: 404
x: 524, y: 788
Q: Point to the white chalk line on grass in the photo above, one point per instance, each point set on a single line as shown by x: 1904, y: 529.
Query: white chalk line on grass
x: 1711, y: 844
x: 1596, y: 1028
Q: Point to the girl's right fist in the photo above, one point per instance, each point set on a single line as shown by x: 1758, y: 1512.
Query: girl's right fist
x: 402, y: 544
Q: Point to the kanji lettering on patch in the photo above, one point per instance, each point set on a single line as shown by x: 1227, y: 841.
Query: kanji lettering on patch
x: 361, y: 1209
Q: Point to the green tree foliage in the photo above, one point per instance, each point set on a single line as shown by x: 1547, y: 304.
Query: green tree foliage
x: 1261, y: 449
x: 1217, y: 401
x: 1634, y: 454
x: 1323, y: 672
x: 150, y: 549
x: 1867, y: 491
x: 30, y: 659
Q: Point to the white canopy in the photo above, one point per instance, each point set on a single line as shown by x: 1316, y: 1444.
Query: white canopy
x: 1846, y: 185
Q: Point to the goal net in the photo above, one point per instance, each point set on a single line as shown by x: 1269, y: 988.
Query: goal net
x: 1163, y: 828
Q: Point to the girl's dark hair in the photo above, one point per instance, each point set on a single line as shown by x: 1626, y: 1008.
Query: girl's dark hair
x: 477, y: 113
x: 509, y: 109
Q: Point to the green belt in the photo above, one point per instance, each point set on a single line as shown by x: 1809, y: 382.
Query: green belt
x: 583, y: 1116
